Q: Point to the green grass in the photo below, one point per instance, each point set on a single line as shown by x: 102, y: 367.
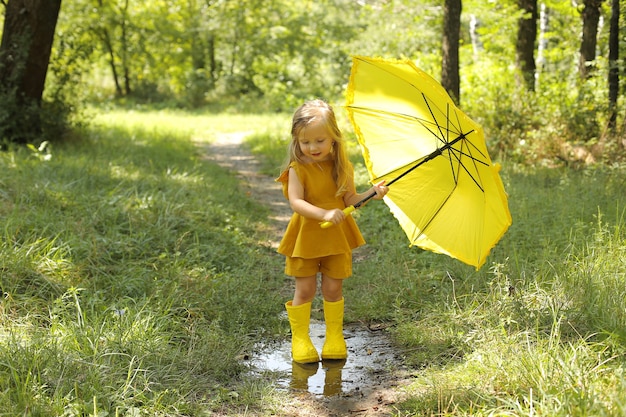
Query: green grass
x: 130, y: 272
x: 134, y: 278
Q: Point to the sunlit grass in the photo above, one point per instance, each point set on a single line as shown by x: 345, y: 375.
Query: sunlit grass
x: 540, y: 329
x: 133, y: 282
x: 130, y: 271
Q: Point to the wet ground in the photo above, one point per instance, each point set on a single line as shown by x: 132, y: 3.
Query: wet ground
x: 370, y: 355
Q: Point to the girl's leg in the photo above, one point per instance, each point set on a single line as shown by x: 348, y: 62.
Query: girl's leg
x: 299, y: 313
x: 332, y: 289
x: 306, y: 287
x: 335, y: 345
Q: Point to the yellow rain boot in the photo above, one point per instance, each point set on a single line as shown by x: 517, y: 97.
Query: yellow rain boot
x: 302, y: 349
x: 335, y: 345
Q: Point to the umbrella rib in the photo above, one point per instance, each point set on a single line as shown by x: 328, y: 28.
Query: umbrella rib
x: 474, y: 160
x: 455, y: 172
x: 424, y: 122
x: 448, y: 130
x: 455, y: 175
x: 442, y: 136
x: 447, y: 145
x: 430, y: 156
x: 470, y: 156
x: 432, y: 217
x: 477, y: 150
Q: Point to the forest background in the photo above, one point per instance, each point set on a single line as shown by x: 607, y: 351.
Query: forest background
x: 131, y: 268
x: 541, y: 77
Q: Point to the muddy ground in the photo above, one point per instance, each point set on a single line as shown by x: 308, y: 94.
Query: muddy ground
x: 370, y: 382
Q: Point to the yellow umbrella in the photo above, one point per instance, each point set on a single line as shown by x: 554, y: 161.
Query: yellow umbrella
x: 444, y: 189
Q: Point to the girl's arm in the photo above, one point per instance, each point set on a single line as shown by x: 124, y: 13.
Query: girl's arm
x: 298, y: 204
x: 352, y: 197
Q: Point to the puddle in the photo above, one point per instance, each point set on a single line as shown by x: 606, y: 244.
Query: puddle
x: 370, y: 357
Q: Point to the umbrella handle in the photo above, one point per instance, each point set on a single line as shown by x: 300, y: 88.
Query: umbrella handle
x: 347, y: 211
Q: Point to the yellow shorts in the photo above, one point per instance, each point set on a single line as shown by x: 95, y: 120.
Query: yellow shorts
x: 333, y: 266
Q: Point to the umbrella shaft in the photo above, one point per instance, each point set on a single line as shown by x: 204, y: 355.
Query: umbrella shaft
x: 432, y: 155
x: 360, y: 203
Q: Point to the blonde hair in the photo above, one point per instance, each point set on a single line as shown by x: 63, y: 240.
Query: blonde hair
x: 319, y: 110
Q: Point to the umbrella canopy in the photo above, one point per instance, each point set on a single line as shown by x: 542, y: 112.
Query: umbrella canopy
x: 444, y: 189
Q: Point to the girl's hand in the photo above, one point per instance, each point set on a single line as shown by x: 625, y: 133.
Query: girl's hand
x: 380, y: 189
x: 334, y: 216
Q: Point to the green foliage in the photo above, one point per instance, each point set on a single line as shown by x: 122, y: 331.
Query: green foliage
x: 271, y: 55
x: 401, y: 29
x: 538, y: 127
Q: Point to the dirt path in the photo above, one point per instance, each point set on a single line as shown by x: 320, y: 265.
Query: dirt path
x: 368, y: 384
x: 229, y: 153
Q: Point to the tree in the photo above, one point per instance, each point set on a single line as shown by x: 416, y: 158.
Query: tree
x: 112, y: 30
x: 590, y: 16
x: 102, y: 32
x: 544, y: 22
x: 613, y: 63
x: 525, y: 44
x: 27, y: 36
x: 450, y: 78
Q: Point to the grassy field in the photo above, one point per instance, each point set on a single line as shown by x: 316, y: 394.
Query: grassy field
x: 134, y: 278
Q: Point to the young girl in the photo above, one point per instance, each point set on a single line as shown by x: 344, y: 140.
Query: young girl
x: 319, y: 183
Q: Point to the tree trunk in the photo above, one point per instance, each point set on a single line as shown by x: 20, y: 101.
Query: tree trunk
x: 25, y: 49
x: 106, y: 39
x: 525, y: 45
x: 103, y: 34
x: 124, y: 41
x: 450, y: 78
x: 590, y: 17
x: 613, y: 64
x: 542, y: 47
x: 212, y: 60
x: 477, y: 45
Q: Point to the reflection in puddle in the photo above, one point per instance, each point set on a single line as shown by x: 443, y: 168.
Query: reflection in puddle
x: 369, y: 353
x: 307, y: 377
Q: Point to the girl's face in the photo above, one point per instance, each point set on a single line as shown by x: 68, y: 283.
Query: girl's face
x: 315, y: 142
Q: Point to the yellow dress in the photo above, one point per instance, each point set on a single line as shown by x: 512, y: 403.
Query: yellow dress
x: 304, y: 238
